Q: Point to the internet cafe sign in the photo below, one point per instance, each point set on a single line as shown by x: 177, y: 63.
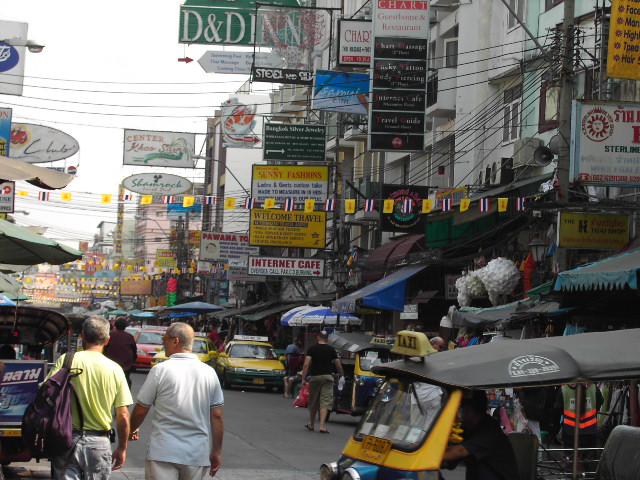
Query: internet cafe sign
x: 157, y: 184
x: 607, y: 143
x: 286, y: 267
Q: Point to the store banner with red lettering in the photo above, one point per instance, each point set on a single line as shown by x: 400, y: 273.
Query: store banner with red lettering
x: 286, y: 266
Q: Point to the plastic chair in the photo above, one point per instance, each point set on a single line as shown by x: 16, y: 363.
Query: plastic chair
x: 525, y: 447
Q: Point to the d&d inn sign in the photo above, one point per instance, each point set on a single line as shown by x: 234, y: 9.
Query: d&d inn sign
x: 226, y: 22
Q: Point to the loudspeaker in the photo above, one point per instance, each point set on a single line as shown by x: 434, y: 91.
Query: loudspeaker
x: 554, y: 144
x: 542, y: 156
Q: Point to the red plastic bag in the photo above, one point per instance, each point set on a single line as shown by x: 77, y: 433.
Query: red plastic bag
x: 302, y: 400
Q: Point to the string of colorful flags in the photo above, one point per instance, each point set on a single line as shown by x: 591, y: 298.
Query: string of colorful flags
x: 407, y: 205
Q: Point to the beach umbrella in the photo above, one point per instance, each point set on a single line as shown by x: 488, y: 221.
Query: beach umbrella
x: 197, y: 307
x: 286, y: 316
x: 322, y: 316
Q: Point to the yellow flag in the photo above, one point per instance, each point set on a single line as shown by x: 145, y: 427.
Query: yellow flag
x: 309, y: 205
x: 502, y: 204
x: 146, y: 199
x: 427, y: 205
x: 65, y: 196
x: 388, y: 205
x: 106, y: 198
x: 229, y: 203
x: 349, y: 205
x: 269, y: 203
x: 188, y: 201
x: 22, y: 193
x: 464, y: 204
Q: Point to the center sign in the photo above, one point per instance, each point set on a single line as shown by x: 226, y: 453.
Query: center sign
x: 286, y: 267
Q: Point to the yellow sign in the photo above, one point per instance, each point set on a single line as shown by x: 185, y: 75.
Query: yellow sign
x: 388, y: 206
x: 502, y: 204
x: 309, y: 205
x: 592, y: 230
x: 464, y: 204
x: 624, y: 40
x: 349, y: 205
x: 166, y: 258
x: 427, y: 205
x: 277, y: 228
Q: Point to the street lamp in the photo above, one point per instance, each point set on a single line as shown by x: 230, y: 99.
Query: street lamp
x: 32, y: 45
x: 538, y: 250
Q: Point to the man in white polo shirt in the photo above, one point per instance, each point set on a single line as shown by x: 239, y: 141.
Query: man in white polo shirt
x: 187, y: 429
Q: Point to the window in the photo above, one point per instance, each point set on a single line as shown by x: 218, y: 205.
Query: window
x: 506, y: 171
x: 487, y: 175
x: 494, y: 172
x: 548, y: 112
x: 549, y: 4
x: 511, y: 114
x: 518, y: 7
x: 451, y: 53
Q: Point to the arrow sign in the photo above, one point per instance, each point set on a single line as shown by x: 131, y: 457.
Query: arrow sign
x: 185, y: 59
x: 238, y: 63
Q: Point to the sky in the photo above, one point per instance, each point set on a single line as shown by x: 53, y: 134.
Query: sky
x: 105, y: 67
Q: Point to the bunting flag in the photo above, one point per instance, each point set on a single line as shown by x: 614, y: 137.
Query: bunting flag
x: 146, y: 200
x: 22, y: 193
x: 309, y: 205
x: 353, y: 256
x: 188, y: 201
x: 43, y: 196
x: 65, y: 196
x: 407, y: 205
x: 464, y: 204
x: 106, y: 198
x: 289, y: 204
x: 520, y: 207
x: 209, y: 200
x: 447, y: 204
x: 369, y: 205
x: 484, y: 205
x: 126, y: 196
x: 229, y: 203
x: 269, y: 203
x: 388, y: 205
x: 427, y: 205
x: 329, y: 205
x: 502, y: 204
x: 249, y: 203
x: 349, y: 205
x: 168, y: 199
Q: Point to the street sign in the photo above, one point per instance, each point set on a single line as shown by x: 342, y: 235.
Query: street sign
x: 7, y: 197
x: 286, y: 267
x: 237, y: 62
x: 295, y: 143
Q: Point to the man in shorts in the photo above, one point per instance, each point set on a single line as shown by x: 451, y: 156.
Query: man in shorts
x: 319, y: 364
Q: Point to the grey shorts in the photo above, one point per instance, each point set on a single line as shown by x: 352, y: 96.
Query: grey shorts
x: 321, y: 392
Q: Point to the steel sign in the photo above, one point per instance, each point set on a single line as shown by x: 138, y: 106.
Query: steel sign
x: 157, y: 184
x: 295, y: 142
x: 286, y: 267
x: 162, y: 149
x: 39, y: 144
x: 296, y: 182
x: 237, y: 62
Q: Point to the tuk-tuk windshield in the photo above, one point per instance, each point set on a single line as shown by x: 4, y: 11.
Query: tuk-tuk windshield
x: 402, y: 412
x: 371, y: 358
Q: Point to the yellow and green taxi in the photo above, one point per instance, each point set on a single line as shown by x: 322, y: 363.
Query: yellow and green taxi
x: 250, y: 360
x: 203, y: 347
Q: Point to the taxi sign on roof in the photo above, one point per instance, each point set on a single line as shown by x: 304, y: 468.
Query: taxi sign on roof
x: 412, y: 344
x: 251, y: 338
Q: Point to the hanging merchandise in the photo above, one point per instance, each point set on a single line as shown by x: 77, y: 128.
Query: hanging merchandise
x: 500, y: 277
x: 464, y: 298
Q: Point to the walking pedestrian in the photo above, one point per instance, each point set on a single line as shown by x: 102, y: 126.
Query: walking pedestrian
x: 122, y: 348
x: 319, y: 364
x: 99, y: 387
x: 187, y: 430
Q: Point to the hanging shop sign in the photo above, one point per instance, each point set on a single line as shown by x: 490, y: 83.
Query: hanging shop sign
x: 592, y: 230
x: 406, y: 216
x: 623, y: 54
x: 410, y: 312
x: 450, y: 290
x: 289, y: 182
x: 7, y: 197
x: 12, y: 58
x: 286, y: 267
x: 161, y: 149
x: 295, y: 142
x: 355, y: 41
x: 136, y: 286
x: 157, y: 184
x: 38, y: 144
x: 241, y: 122
x: 607, y: 143
x: 279, y: 228
x: 166, y: 258
x: 343, y: 92
x: 220, y: 246
x: 237, y: 62
x: 5, y: 131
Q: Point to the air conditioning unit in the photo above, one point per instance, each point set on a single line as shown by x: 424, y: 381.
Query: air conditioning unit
x: 523, y: 150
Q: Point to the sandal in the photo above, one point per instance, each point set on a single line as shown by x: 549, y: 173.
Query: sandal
x: 306, y: 425
x: 323, y: 430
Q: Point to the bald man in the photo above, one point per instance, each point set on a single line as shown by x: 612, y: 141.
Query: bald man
x: 439, y: 344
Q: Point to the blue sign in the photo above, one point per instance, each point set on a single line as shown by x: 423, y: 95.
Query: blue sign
x: 5, y: 131
x: 341, y: 92
x: 19, y: 386
x: 9, y: 57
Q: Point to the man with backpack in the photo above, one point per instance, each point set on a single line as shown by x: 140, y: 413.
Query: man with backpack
x: 99, y: 386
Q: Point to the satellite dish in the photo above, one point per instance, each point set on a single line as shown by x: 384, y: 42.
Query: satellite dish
x: 542, y: 156
x: 554, y: 144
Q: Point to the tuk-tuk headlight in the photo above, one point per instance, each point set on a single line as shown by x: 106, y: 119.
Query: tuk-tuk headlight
x: 359, y: 381
x: 350, y: 474
x: 329, y: 471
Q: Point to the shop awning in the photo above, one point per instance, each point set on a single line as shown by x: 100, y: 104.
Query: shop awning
x: 386, y: 294
x: 13, y: 170
x: 485, y: 317
x: 390, y: 253
x: 424, y: 297
x: 242, y: 310
x: 252, y: 317
x: 619, y: 271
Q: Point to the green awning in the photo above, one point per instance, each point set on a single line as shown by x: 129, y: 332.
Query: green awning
x: 536, y: 292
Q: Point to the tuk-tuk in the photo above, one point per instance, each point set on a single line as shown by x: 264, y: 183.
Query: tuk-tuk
x: 358, y: 353
x: 36, y: 330
x: 405, y: 431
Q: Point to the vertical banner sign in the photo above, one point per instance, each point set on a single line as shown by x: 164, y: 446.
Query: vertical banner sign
x: 623, y: 58
x: 399, y: 75
x: 5, y: 131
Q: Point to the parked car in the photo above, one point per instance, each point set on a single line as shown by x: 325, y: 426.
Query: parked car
x: 148, y: 339
x: 203, y: 348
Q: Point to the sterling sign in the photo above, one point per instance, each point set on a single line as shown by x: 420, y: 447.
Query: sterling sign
x: 157, y: 184
x: 286, y: 267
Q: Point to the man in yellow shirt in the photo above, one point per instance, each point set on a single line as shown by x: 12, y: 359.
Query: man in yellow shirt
x: 100, y: 386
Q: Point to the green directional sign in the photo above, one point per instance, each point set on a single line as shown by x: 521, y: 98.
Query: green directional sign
x: 295, y: 143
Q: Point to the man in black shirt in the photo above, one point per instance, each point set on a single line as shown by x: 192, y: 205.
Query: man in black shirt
x: 319, y: 363
x: 486, y: 450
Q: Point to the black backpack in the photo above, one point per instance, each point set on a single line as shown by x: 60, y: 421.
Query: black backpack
x: 47, y: 428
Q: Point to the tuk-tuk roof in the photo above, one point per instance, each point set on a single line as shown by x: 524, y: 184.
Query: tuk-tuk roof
x: 577, y: 358
x: 35, y: 326
x: 355, y: 342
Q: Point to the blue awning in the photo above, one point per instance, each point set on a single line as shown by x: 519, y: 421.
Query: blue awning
x: 619, y: 271
x: 385, y: 294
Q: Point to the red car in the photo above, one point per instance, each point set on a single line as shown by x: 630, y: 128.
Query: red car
x: 148, y: 339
